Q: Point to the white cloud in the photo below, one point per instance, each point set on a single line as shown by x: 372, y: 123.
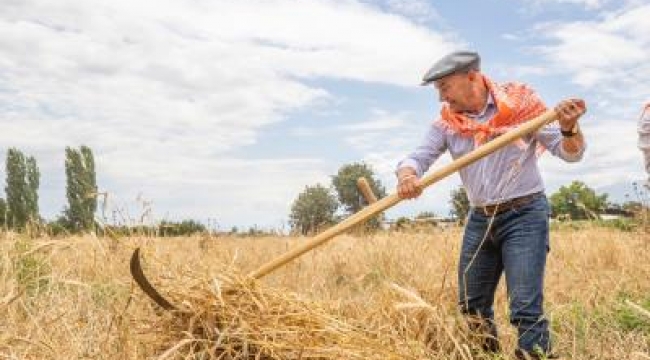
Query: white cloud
x: 612, y: 157
x: 608, y: 59
x: 160, y: 90
x: 520, y: 71
x: 419, y: 10
x: 588, y: 4
x: 511, y: 37
x: 606, y: 55
x: 385, y: 135
x: 381, y: 121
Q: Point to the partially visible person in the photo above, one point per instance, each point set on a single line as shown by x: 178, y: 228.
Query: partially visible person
x: 507, y: 230
x: 644, y: 140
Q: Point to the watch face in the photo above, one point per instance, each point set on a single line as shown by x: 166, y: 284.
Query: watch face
x: 571, y: 132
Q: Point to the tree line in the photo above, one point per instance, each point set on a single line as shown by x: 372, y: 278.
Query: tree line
x: 316, y: 207
x: 320, y: 206
x: 575, y: 201
x: 19, y: 210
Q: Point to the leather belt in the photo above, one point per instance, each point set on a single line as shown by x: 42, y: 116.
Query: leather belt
x: 491, y: 210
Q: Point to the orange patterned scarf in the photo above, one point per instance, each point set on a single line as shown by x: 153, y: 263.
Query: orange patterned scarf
x: 516, y: 103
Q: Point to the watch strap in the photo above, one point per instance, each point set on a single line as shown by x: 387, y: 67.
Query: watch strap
x: 569, y: 133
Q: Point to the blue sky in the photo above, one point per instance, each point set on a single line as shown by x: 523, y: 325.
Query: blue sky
x: 226, y: 110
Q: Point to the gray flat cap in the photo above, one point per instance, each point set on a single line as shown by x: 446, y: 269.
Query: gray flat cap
x: 451, y: 63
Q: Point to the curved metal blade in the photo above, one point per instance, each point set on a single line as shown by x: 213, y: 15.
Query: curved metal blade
x: 145, y: 285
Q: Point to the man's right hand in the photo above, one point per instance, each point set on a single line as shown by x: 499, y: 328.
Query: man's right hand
x: 408, y: 185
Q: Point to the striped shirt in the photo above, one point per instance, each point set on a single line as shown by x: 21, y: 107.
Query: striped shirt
x: 508, y: 173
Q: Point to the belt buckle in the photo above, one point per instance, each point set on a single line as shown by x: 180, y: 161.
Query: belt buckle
x: 489, y: 210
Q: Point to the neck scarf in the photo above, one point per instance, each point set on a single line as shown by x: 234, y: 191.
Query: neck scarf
x: 516, y: 103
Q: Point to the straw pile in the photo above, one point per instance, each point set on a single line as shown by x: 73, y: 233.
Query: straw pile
x: 233, y: 318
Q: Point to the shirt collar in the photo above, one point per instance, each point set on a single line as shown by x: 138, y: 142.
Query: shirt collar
x: 488, y: 104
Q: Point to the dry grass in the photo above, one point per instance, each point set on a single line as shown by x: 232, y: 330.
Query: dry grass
x: 388, y: 296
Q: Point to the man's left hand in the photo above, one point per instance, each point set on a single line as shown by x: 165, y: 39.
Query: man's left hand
x: 569, y: 111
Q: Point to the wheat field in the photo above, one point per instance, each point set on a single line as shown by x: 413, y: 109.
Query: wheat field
x: 388, y: 295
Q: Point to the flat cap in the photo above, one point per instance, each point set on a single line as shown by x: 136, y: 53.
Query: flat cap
x: 451, y: 63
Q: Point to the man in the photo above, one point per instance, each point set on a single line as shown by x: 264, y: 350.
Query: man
x: 644, y: 140
x: 507, y: 228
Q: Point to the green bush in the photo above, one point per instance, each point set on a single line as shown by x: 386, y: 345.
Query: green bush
x: 628, y: 319
x: 622, y: 224
x: 31, y: 270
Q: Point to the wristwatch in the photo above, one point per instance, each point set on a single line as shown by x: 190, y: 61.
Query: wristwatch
x: 570, y: 133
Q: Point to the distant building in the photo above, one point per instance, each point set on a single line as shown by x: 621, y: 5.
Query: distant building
x: 404, y: 222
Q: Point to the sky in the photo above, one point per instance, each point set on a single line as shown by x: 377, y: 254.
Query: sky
x: 223, y: 111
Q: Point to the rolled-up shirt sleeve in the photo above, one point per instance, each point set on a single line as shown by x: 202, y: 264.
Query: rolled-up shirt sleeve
x: 551, y: 138
x: 430, y: 149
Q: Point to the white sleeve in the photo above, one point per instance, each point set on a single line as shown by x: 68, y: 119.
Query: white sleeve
x: 429, y: 150
x: 551, y: 137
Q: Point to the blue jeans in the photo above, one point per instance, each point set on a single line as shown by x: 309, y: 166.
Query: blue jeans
x: 516, y: 242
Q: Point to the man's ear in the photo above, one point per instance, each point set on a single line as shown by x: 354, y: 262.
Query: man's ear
x: 472, y: 75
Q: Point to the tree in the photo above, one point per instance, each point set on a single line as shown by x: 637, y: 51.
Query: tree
x: 345, y: 184
x: 426, y: 215
x: 578, y: 201
x: 81, y: 188
x: 3, y: 212
x: 183, y: 228
x: 459, y: 203
x: 15, y: 189
x: 33, y: 178
x: 23, y: 179
x: 632, y: 206
x: 426, y: 218
x: 313, y: 209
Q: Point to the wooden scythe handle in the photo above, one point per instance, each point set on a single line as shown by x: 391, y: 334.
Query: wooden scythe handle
x: 366, y: 190
x: 390, y: 200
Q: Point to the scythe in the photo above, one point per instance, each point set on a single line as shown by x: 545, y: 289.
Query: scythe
x: 366, y: 213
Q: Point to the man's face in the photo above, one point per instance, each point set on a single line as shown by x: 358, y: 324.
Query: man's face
x: 455, y: 90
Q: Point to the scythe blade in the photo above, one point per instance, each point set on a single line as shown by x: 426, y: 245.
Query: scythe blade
x: 145, y: 285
